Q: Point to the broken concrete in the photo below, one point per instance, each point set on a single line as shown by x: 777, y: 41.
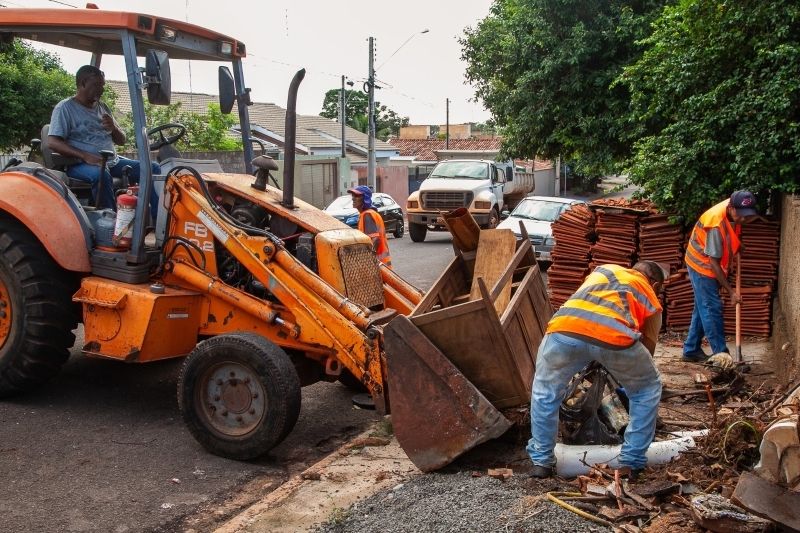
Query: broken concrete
x: 718, y: 514
x: 780, y: 453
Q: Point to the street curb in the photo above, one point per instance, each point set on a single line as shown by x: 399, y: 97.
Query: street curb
x: 334, y: 482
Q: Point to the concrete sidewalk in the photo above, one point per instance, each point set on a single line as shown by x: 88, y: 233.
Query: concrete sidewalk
x: 355, y: 471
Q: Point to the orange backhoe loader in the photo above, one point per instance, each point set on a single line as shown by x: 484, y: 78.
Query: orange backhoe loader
x: 261, y: 292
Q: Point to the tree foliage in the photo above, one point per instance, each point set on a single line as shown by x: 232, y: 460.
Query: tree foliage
x: 387, y: 121
x: 204, y: 132
x: 720, y: 86
x: 545, y: 69
x: 32, y: 82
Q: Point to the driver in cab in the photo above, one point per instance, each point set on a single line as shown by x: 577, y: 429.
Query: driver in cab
x: 81, y: 126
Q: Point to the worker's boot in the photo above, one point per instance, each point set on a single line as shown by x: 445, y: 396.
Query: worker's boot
x: 541, y: 472
x: 631, y: 474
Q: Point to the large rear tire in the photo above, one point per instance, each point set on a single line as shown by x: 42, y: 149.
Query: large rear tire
x: 239, y: 395
x: 417, y: 231
x: 37, y: 315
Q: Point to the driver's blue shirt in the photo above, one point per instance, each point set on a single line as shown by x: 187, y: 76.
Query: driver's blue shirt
x: 82, y: 127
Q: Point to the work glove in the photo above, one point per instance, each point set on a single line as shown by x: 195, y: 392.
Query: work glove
x: 721, y: 360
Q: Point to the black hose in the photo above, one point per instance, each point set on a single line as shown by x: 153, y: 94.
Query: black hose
x: 250, y: 230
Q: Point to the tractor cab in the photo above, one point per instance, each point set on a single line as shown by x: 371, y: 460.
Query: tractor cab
x: 147, y: 44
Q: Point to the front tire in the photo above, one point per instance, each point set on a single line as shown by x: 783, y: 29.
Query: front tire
x: 37, y: 315
x: 399, y: 229
x: 239, y: 395
x: 417, y: 231
x: 494, y: 219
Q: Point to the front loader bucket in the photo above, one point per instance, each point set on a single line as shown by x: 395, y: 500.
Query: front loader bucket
x: 437, y: 413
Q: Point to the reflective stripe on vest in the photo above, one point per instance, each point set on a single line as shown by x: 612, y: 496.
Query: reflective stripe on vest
x: 611, y: 306
x: 378, y: 236
x: 716, y: 217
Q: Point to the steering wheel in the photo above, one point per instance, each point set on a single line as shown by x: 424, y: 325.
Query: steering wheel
x: 161, y: 140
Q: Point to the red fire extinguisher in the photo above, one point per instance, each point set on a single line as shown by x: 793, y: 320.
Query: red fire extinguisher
x: 126, y: 211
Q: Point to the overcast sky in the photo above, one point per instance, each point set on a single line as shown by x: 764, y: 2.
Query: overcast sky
x: 328, y: 39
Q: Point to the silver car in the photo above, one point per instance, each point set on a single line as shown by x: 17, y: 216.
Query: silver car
x: 537, y: 213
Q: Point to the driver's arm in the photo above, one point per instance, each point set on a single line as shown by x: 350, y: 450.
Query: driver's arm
x: 60, y: 146
x: 117, y: 135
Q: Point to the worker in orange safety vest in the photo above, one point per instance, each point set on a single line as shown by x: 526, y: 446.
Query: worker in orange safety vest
x: 371, y: 223
x: 713, y: 245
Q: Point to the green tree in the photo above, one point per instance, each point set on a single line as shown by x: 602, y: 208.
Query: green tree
x: 485, y: 128
x: 545, y: 69
x: 387, y: 121
x: 720, y: 84
x: 209, y: 131
x: 32, y: 82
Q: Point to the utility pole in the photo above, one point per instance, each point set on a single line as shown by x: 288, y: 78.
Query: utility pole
x: 371, y: 128
x: 447, y: 125
x: 343, y: 117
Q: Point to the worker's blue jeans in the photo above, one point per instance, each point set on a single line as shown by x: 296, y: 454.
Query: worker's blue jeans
x: 560, y: 357
x: 91, y: 174
x: 707, y: 318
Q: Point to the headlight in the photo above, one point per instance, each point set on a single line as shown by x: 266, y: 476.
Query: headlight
x: 549, y: 241
x: 412, y: 204
x: 483, y: 205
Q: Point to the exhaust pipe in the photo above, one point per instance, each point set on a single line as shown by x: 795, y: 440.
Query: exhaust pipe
x: 290, y: 131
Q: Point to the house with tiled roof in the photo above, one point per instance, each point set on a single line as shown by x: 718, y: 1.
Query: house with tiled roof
x: 321, y: 173
x: 316, y: 136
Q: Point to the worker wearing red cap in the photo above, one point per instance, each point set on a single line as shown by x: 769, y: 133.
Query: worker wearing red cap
x: 371, y: 223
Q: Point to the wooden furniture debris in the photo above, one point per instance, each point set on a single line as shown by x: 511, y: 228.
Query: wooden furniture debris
x: 465, y: 330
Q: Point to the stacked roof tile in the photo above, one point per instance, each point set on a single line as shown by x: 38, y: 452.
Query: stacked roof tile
x: 661, y: 240
x: 623, y: 232
x: 574, y: 234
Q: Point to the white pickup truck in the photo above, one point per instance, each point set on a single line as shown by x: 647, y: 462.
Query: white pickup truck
x: 484, y: 187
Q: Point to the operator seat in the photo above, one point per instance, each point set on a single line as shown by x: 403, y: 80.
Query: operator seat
x: 59, y: 163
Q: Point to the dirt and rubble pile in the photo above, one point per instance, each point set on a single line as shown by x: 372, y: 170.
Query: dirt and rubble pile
x: 460, y: 502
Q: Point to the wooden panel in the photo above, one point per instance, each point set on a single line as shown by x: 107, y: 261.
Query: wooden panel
x: 497, y: 356
x: 449, y: 285
x: 478, y: 349
x: 496, y: 248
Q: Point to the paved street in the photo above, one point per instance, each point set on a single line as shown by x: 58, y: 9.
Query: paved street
x: 103, y: 447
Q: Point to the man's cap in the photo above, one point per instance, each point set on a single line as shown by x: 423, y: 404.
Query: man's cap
x: 361, y: 190
x: 745, y: 203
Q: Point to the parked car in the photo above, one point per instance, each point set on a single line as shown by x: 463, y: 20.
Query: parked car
x: 391, y: 212
x: 537, y: 213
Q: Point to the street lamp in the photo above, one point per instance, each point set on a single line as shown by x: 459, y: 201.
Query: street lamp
x: 371, y: 88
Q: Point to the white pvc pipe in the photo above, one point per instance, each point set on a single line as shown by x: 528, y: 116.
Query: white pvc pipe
x: 570, y: 459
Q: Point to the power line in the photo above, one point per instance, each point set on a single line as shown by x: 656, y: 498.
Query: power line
x: 63, y: 4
